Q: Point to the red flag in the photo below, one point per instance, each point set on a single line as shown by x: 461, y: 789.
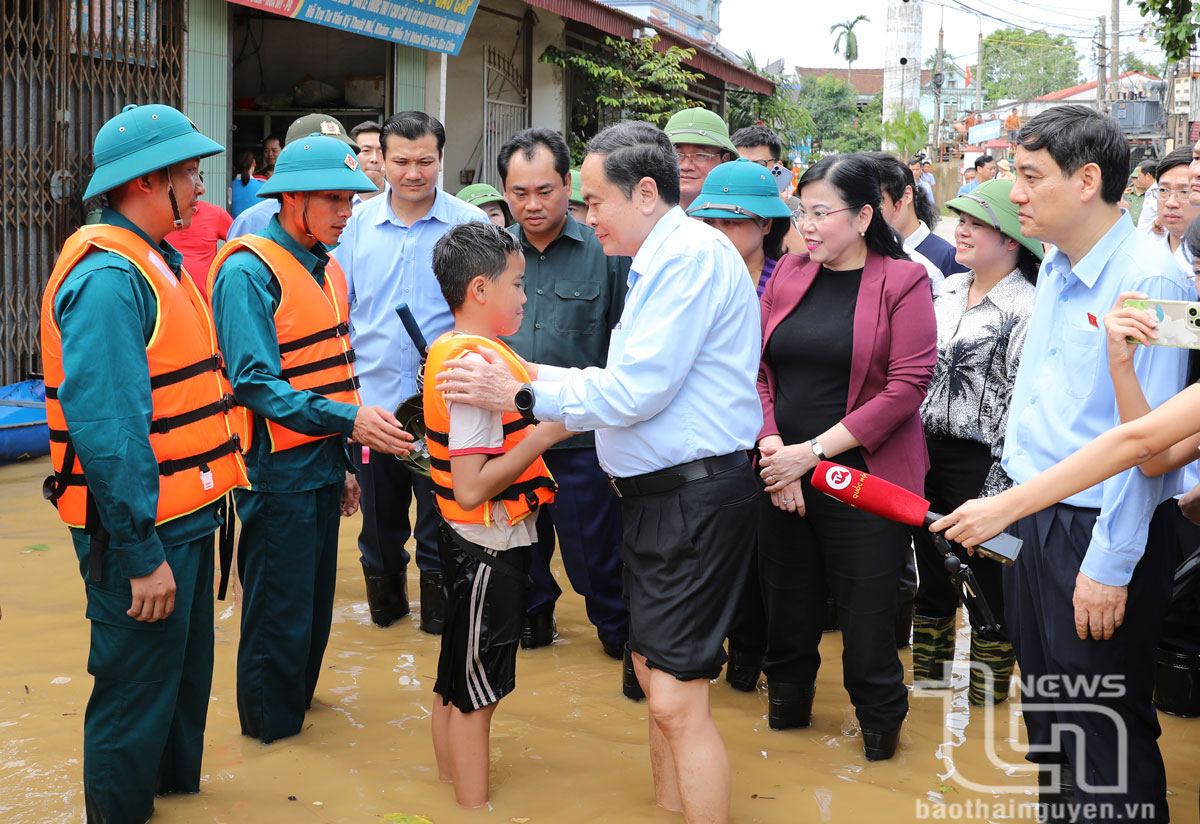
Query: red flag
x: 967, y: 82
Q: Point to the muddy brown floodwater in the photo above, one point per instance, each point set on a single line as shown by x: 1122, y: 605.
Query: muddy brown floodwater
x: 566, y: 746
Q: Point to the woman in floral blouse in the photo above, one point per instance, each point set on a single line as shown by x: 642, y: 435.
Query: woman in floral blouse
x: 982, y: 316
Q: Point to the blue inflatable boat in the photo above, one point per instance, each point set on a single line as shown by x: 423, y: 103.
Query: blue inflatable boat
x: 23, y: 430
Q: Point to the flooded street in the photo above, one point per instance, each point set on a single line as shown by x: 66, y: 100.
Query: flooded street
x: 566, y: 746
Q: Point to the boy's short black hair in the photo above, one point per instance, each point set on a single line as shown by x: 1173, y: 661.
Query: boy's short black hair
x: 468, y: 251
x: 1075, y: 136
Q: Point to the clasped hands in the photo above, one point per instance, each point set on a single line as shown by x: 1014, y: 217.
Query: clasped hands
x: 781, y: 468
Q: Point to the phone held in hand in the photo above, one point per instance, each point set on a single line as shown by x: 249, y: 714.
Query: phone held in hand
x: 1178, y: 321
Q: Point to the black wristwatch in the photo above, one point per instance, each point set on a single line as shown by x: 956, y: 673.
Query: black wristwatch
x: 524, y: 401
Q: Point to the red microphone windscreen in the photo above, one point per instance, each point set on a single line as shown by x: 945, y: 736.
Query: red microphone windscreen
x: 870, y: 494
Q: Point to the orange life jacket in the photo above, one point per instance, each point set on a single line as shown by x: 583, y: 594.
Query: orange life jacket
x: 313, y: 328
x: 194, y: 431
x: 534, y: 487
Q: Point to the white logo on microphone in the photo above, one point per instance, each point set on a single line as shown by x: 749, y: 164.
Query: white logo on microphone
x: 838, y: 477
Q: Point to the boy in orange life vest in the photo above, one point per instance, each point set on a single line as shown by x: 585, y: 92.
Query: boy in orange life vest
x: 280, y: 305
x: 490, y: 479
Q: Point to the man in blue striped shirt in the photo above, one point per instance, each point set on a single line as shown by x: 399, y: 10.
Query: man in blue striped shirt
x: 675, y: 411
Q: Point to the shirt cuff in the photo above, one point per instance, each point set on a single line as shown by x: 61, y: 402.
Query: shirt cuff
x: 142, y: 558
x: 1107, y: 568
x: 547, y: 400
x: 551, y: 374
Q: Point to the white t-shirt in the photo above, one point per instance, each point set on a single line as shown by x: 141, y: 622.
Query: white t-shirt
x: 475, y: 431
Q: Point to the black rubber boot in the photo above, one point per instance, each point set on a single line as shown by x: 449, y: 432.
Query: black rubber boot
x: 387, y: 596
x: 1056, y: 800
x: 1177, y: 683
x: 433, y: 603
x: 880, y: 745
x: 629, y: 683
x: 743, y: 668
x: 904, y: 624
x: 537, y: 631
x: 789, y: 706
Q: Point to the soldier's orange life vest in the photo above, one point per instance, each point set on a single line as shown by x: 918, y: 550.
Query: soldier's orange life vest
x: 313, y: 328
x: 534, y: 487
x: 194, y: 432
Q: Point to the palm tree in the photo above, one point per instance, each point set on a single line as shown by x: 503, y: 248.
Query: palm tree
x: 847, y: 38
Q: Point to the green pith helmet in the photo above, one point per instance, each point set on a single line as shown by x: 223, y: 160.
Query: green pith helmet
x: 144, y: 139
x: 316, y: 164
x: 576, y: 184
x: 700, y: 127
x: 317, y: 123
x: 480, y: 194
x: 988, y: 202
x: 739, y: 189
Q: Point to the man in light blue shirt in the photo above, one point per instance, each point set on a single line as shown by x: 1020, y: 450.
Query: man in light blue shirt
x: 675, y: 411
x: 1086, y: 596
x: 386, y: 252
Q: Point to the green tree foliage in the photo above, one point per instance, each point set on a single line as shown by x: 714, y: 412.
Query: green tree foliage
x: 778, y: 111
x: 837, y: 123
x: 1022, y: 65
x: 846, y: 42
x: 1176, y: 24
x: 1131, y: 62
x: 624, y: 79
x: 905, y: 134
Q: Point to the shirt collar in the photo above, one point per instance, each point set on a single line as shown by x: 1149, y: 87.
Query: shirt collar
x: 1004, y: 294
x: 170, y: 254
x: 571, y: 229
x: 662, y: 230
x: 918, y: 236
x: 310, y: 260
x: 384, y: 213
x: 1089, y: 269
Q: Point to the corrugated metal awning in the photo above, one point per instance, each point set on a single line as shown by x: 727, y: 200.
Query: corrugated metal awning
x: 621, y: 24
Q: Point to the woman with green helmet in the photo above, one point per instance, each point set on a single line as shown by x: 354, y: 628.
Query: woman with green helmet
x: 982, y: 315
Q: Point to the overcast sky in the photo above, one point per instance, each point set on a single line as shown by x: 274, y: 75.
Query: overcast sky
x: 805, y: 40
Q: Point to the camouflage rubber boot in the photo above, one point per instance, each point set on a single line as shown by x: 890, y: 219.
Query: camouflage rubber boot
x: 932, y: 650
x: 991, y: 671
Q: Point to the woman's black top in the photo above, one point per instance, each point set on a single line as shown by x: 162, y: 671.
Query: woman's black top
x: 810, y: 352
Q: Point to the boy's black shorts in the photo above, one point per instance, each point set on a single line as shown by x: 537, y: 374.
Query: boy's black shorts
x: 485, y: 607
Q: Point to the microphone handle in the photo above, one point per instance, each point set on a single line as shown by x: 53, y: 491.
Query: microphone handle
x: 414, y: 331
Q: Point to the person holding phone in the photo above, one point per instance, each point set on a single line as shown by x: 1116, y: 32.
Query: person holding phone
x: 982, y: 317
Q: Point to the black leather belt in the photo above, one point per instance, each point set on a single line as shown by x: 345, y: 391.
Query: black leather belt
x: 664, y: 480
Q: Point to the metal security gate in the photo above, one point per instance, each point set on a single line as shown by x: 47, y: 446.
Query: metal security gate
x: 505, y: 110
x: 68, y: 66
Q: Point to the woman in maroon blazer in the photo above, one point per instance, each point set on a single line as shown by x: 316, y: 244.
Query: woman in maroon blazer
x: 849, y: 344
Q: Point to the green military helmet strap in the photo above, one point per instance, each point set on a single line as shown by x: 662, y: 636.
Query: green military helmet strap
x: 141, y: 140
x: 317, y: 163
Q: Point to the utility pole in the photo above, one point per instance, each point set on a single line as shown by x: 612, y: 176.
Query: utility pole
x: 1114, y: 54
x: 1101, y: 79
x: 979, y: 79
x: 938, y: 79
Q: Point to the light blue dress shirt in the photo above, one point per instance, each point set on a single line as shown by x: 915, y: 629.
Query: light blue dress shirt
x: 1063, y: 397
x: 680, y: 383
x: 387, y: 263
x: 255, y: 218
